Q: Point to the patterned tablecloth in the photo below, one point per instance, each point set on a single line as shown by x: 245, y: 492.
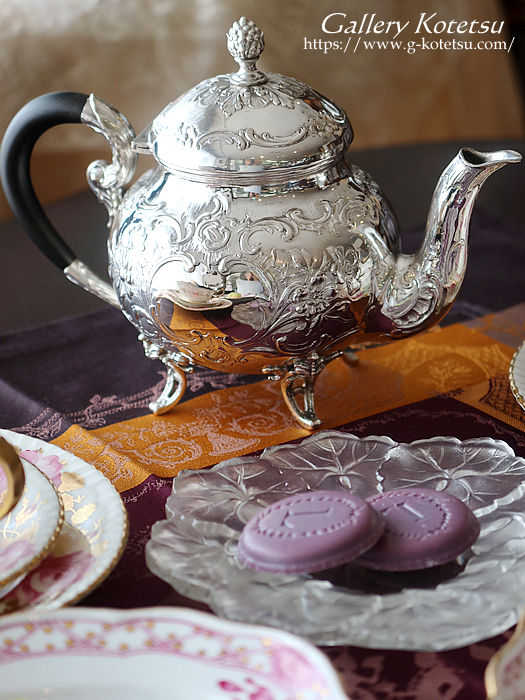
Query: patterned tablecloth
x: 84, y: 384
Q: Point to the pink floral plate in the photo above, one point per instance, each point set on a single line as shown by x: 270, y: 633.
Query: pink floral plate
x: 156, y: 653
x: 91, y: 540
x: 30, y: 530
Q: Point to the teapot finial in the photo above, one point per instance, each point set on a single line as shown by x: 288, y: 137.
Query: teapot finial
x: 246, y: 44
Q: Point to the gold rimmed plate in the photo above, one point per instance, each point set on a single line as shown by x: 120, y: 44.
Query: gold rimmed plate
x: 517, y: 375
x: 91, y: 540
x: 30, y: 530
x: 505, y: 673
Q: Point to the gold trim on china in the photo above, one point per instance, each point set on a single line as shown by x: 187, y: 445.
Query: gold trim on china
x: 493, y: 667
x: 517, y: 394
x: 42, y: 554
x: 109, y: 568
x: 123, y: 530
x: 14, y: 472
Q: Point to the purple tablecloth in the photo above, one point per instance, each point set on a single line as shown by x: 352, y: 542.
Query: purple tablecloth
x: 91, y: 372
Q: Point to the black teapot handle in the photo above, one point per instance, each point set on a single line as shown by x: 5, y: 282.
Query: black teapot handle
x: 23, y: 132
x: 105, y: 179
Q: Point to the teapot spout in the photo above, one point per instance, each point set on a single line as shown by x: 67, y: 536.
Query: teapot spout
x: 425, y: 285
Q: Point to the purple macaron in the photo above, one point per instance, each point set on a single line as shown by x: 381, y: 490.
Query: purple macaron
x: 423, y: 528
x: 309, y: 532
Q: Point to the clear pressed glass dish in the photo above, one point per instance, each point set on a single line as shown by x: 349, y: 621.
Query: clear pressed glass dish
x: 194, y: 549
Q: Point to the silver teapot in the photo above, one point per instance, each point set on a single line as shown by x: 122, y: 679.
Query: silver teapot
x: 252, y: 245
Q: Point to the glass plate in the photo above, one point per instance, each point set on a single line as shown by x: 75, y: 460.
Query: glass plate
x: 195, y: 548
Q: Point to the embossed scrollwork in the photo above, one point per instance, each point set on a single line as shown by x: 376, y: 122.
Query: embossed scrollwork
x: 231, y: 97
x: 300, y: 296
x: 188, y: 135
x: 107, y: 179
x: 415, y: 292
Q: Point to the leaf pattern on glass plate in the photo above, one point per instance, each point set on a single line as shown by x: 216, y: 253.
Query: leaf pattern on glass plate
x: 481, y: 472
x: 195, y: 548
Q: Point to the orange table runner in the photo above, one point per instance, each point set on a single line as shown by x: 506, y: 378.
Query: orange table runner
x: 238, y: 420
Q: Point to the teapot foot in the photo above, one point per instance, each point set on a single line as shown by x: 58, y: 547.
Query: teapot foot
x: 177, y: 366
x: 298, y: 376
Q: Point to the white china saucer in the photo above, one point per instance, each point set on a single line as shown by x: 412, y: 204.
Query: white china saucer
x: 30, y: 530
x: 156, y: 653
x: 4, y: 590
x: 91, y: 540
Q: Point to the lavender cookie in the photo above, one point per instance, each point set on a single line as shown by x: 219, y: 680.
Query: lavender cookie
x: 423, y: 528
x: 309, y: 532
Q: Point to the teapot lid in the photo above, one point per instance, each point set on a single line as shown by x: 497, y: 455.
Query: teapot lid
x: 249, y: 126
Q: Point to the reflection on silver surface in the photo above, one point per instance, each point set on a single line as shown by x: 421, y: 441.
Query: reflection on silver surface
x: 108, y: 179
x: 194, y: 549
x: 252, y: 199
x: 80, y: 274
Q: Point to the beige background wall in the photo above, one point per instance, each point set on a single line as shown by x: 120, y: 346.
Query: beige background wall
x: 141, y: 54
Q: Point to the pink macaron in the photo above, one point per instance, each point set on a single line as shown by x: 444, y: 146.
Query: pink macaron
x: 423, y: 528
x: 309, y: 532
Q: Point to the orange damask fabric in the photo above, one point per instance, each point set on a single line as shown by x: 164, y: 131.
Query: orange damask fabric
x: 231, y: 422
x: 494, y: 395
x: 507, y: 326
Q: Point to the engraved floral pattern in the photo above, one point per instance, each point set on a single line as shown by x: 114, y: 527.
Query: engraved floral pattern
x: 302, y: 305
x: 321, y: 124
x: 314, y: 298
x: 230, y: 97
